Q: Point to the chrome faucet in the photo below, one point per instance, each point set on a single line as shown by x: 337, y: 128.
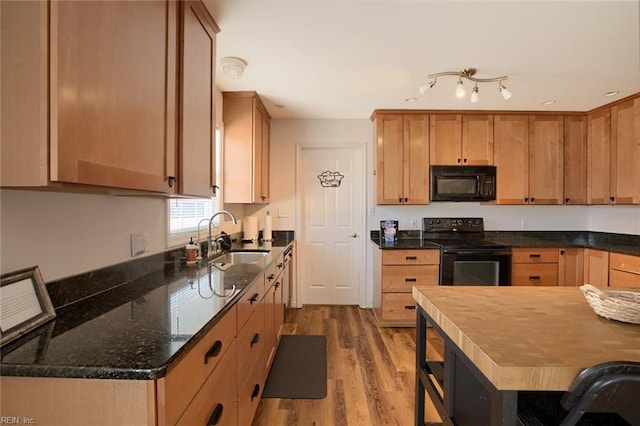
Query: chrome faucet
x: 209, y: 240
x: 198, y: 238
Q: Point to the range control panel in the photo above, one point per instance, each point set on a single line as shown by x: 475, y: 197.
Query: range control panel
x: 452, y: 224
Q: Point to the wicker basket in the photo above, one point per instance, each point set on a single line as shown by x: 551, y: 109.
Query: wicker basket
x: 619, y: 305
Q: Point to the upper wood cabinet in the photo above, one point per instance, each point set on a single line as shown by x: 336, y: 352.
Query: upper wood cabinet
x: 100, y: 95
x: 546, y: 159
x: 598, y: 154
x: 625, y: 153
x: 575, y: 159
x: 197, y: 116
x: 246, y: 148
x: 528, y: 155
x: 461, y: 139
x: 88, y: 94
x: 511, y: 156
x: 613, y: 176
x: 402, y: 150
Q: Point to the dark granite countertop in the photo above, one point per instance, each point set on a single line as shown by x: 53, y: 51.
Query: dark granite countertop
x: 137, y: 329
x: 618, y: 243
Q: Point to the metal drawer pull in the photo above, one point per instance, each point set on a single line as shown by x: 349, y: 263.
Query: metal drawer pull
x: 256, y: 391
x: 254, y: 298
x: 535, y: 277
x: 411, y: 257
x: 410, y: 280
x: 271, y: 277
x: 535, y: 256
x: 277, y: 284
x: 409, y: 307
x: 256, y: 339
x: 215, y: 416
x: 214, y: 351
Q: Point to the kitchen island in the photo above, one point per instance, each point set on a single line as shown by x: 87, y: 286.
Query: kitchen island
x: 501, y: 340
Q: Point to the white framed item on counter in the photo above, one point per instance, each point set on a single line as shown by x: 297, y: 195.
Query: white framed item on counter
x: 24, y: 303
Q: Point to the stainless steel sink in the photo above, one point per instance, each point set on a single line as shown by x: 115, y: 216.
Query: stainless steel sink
x: 241, y: 257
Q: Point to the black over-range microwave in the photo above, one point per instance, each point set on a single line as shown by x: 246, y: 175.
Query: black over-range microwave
x: 463, y: 183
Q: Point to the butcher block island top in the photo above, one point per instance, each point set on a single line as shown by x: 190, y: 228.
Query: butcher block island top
x: 528, y: 338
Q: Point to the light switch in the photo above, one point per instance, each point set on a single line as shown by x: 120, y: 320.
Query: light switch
x: 283, y: 213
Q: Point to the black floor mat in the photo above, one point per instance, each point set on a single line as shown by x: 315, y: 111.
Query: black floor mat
x: 299, y: 369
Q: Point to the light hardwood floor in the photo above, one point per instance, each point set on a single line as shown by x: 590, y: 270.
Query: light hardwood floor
x: 370, y: 372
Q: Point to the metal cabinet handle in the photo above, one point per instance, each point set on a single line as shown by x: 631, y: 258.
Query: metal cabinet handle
x: 566, y: 200
x: 534, y: 277
x: 411, y: 257
x: 410, y: 307
x: 280, y: 265
x: 410, y: 280
x: 254, y: 298
x: 214, y: 351
x: 277, y: 284
x: 256, y: 391
x: 172, y: 181
x: 562, y: 252
x: 271, y: 277
x: 535, y: 256
x: 255, y: 339
x: 216, y: 415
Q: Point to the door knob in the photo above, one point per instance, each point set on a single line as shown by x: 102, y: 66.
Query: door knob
x: 354, y: 235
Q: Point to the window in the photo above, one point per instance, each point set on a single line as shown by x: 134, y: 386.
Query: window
x: 184, y: 214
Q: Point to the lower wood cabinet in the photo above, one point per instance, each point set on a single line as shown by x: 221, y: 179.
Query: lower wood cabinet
x: 596, y: 267
x: 215, y: 404
x: 624, y: 270
x: 396, y: 272
x: 534, y: 266
x: 571, y: 267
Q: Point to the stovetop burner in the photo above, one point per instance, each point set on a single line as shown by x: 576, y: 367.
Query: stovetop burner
x: 457, y: 233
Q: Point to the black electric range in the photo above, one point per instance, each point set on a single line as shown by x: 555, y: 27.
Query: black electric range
x: 467, y: 258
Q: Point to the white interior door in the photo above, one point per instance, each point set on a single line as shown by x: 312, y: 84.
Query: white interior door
x: 332, y: 214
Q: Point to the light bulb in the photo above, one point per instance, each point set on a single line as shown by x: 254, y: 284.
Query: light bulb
x: 424, y: 89
x: 506, y: 94
x: 475, y: 97
x: 460, y: 92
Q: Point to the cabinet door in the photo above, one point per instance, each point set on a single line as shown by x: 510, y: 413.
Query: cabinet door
x: 390, y: 159
x: 511, y: 155
x: 258, y: 133
x: 598, y: 152
x: 264, y: 184
x: 545, y: 159
x: 575, y: 159
x: 477, y: 139
x: 113, y: 86
x: 197, y: 113
x: 445, y: 137
x: 596, y: 267
x: 625, y: 152
x: 416, y: 159
x: 571, y: 267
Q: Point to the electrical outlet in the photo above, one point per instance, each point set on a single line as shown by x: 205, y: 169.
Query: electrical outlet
x: 282, y: 213
x: 372, y: 211
x: 139, y: 243
x: 414, y: 223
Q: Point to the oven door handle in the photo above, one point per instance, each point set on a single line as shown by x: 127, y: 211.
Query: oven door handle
x: 478, y: 251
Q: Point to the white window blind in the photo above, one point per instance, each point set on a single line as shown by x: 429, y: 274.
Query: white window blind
x: 184, y: 214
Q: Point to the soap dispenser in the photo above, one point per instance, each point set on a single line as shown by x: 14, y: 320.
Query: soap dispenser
x: 191, y: 251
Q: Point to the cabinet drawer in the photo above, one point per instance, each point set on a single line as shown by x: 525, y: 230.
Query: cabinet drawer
x: 623, y: 279
x: 249, y: 395
x: 410, y: 257
x: 251, y: 339
x: 398, y: 306
x: 403, y: 278
x: 183, y: 381
x: 214, y: 401
x: 534, y: 255
x: 544, y: 274
x: 624, y: 262
x: 250, y: 300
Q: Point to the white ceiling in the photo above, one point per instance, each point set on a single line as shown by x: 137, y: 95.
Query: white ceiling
x: 346, y: 58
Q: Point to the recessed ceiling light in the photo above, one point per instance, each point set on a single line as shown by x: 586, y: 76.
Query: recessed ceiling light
x: 411, y: 99
x: 549, y: 102
x: 279, y: 106
x: 611, y: 93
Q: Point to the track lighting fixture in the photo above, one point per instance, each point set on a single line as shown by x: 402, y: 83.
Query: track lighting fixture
x: 468, y: 73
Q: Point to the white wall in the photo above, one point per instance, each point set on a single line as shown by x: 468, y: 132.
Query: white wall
x: 66, y: 234
x: 618, y: 219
